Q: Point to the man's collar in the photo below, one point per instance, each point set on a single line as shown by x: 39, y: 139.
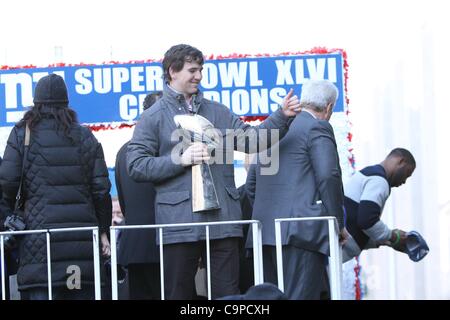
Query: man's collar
x: 178, y: 93
x: 174, y: 90
x: 306, y: 110
x: 172, y: 94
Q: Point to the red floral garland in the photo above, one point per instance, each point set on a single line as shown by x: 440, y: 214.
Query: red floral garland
x: 109, y: 126
x: 357, y: 269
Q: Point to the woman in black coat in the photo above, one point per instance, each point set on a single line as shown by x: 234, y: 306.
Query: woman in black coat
x: 66, y: 185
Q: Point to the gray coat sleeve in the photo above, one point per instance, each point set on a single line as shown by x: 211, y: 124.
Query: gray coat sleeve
x: 144, y: 162
x: 325, y: 162
x: 254, y: 139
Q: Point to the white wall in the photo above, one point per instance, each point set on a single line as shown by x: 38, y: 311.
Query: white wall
x: 406, y: 106
x: 399, y: 70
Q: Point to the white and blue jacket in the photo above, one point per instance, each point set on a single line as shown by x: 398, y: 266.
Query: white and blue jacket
x: 365, y: 196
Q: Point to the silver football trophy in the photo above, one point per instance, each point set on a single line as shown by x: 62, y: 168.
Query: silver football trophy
x: 199, y: 129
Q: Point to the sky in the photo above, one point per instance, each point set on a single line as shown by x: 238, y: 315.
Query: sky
x: 95, y: 31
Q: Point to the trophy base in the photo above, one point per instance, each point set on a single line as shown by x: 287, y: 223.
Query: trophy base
x: 198, y: 210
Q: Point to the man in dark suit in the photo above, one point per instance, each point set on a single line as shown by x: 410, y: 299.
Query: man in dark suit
x: 307, y: 184
x: 138, y: 251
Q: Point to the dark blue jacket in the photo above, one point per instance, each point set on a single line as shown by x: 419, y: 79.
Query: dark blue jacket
x: 137, y: 202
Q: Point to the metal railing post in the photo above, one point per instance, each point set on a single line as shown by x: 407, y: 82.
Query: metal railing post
x: 3, y: 267
x: 161, y: 262
x: 49, y: 266
x: 335, y: 260
x: 260, y: 253
x: 114, y: 287
x: 335, y: 263
x: 279, y: 253
x: 257, y: 254
x: 95, y: 248
x: 208, y: 263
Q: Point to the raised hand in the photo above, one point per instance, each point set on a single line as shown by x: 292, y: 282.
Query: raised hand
x: 291, y: 104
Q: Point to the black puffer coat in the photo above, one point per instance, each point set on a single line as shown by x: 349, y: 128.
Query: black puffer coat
x: 66, y: 185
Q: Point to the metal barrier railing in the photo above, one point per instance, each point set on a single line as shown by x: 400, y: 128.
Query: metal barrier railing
x: 335, y: 260
x: 95, y: 248
x: 257, y: 250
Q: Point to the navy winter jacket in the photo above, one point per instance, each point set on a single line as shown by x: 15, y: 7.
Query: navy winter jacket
x: 66, y: 185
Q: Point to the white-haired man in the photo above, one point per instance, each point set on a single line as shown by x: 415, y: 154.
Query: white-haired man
x: 309, y: 171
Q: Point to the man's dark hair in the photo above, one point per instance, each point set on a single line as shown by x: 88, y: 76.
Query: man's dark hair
x: 151, y: 98
x: 177, y: 55
x: 405, y: 154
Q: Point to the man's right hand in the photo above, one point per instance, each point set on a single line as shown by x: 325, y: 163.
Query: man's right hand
x: 343, y: 236
x: 291, y: 105
x: 106, y: 247
x: 398, y: 240
x: 196, y: 153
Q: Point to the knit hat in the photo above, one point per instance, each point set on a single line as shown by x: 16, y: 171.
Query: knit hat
x: 51, y: 90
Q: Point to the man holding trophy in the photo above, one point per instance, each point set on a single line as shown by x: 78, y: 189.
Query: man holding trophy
x: 190, y: 186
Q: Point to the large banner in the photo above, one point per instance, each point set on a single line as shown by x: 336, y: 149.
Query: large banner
x: 114, y: 93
